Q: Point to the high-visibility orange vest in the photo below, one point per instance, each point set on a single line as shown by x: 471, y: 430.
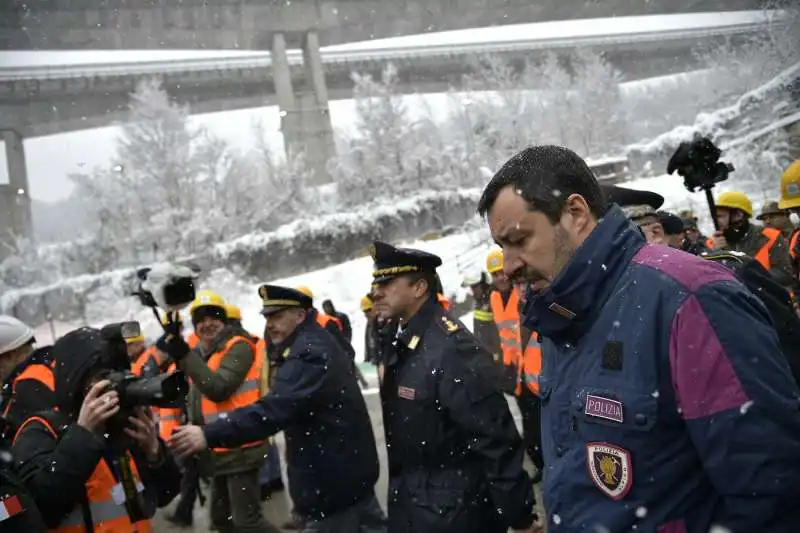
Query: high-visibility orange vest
x: 443, y: 301
x: 529, y: 364
x: 192, y: 340
x: 323, y: 319
x: 762, y: 256
x: 793, y: 244
x: 151, y: 353
x: 246, y: 394
x: 39, y: 372
x: 169, y: 418
x: 107, y: 515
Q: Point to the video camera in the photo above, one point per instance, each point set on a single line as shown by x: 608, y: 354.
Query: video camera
x: 167, y: 286
x: 165, y: 390
x: 699, y: 165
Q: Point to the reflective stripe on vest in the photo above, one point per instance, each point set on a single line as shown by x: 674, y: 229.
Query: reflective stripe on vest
x: 762, y: 256
x: 483, y: 316
x: 246, y: 394
x: 507, y: 319
x: 107, y: 516
x: 323, y: 319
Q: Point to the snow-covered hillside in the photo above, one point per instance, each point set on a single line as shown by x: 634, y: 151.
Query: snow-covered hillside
x: 344, y: 284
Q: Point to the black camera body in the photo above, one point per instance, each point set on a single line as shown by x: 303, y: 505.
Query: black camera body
x: 699, y: 165
x: 164, y: 390
x: 170, y: 287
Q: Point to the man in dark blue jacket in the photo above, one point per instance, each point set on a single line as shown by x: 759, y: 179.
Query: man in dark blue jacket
x: 332, y: 461
x: 667, y: 405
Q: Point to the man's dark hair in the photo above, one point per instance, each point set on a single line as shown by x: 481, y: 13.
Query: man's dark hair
x: 430, y: 278
x: 545, y: 176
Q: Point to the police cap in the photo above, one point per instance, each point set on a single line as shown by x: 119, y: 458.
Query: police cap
x: 631, y: 197
x: 391, y: 262
x: 275, y: 298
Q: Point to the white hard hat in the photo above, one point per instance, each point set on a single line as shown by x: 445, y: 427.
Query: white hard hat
x: 13, y: 334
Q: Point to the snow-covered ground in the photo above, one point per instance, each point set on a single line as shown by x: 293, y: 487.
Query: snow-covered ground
x: 344, y: 284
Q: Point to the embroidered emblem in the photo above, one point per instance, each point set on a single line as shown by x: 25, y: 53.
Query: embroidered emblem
x: 610, y: 468
x: 603, y: 408
x: 406, y: 393
x: 451, y: 326
x: 412, y: 344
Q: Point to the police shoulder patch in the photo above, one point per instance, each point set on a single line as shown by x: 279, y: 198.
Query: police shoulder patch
x: 610, y: 468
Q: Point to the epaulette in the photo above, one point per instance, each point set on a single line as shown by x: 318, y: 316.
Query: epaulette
x: 448, y: 325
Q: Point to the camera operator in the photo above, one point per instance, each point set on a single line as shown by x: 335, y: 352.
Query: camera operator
x: 766, y: 245
x: 225, y: 374
x: 93, y: 464
x: 25, y: 373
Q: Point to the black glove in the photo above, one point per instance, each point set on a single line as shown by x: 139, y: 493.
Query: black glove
x: 173, y: 346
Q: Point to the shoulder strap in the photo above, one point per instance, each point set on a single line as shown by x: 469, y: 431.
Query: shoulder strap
x: 54, y: 423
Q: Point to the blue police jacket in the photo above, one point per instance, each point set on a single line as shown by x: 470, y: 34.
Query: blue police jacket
x: 331, y: 456
x: 667, y: 405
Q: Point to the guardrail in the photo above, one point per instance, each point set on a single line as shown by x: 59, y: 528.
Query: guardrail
x: 295, y: 57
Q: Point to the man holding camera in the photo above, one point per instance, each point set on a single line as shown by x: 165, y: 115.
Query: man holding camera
x: 315, y: 400
x: 97, y: 463
x: 225, y: 373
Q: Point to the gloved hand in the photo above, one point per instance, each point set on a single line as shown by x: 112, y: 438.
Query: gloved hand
x: 172, y: 342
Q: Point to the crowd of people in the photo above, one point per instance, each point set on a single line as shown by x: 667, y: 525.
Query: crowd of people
x: 655, y: 370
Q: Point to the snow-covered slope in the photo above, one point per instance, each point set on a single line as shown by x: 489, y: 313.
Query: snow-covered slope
x: 755, y: 114
x: 344, y: 284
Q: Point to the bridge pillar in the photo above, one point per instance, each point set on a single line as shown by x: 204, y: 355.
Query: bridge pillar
x: 305, y: 116
x: 15, y: 202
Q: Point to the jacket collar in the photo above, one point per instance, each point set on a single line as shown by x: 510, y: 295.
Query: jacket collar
x: 567, y: 308
x: 289, y: 341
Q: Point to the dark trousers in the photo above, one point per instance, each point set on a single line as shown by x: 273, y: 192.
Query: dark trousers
x: 236, y: 504
x: 531, y: 410
x: 190, y: 490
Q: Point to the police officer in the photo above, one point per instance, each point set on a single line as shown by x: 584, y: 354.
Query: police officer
x: 455, y: 457
x: 331, y: 453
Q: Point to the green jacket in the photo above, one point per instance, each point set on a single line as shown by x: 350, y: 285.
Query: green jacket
x: 219, y: 386
x: 779, y: 258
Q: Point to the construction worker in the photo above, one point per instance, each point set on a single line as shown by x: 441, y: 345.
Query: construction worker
x: 522, y: 356
x: 225, y: 372
x: 483, y: 326
x: 26, y: 374
x: 790, y: 200
x: 765, y: 245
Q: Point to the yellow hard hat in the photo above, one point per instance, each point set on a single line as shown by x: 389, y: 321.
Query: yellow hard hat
x: 790, y: 187
x: 736, y: 200
x: 207, y: 299
x: 305, y: 290
x: 233, y: 312
x: 366, y: 303
x: 494, y: 261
